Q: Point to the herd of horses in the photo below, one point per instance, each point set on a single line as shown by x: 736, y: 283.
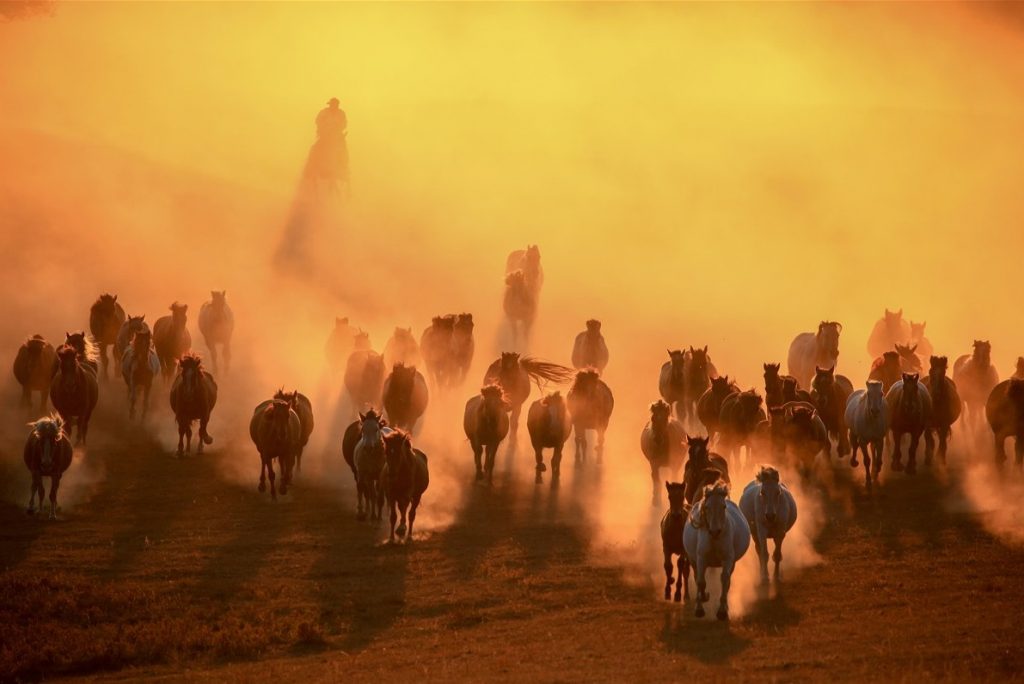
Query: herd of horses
x: 702, y: 425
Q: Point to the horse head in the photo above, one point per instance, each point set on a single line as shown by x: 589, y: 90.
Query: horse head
x: 278, y: 418
x: 713, y: 508
x: 676, y: 498
x: 677, y: 358
x: 594, y: 327
x: 824, y: 380
x: 361, y: 341
x: 699, y: 360
x: 218, y: 300
x: 34, y: 346
x: 789, y: 388
x: 982, y: 351
x: 141, y: 341
x: 106, y: 304
x: 495, y: 401
x: 509, y: 364
x: 908, y: 358
x: 749, y: 402
x: 585, y: 381
x: 697, y: 449
x: 1020, y: 367
x: 402, y: 376
x: 464, y: 323
x: 893, y: 321
x: 67, y: 358
x: 291, y: 397
x: 532, y: 257
x: 875, y: 398
x: 190, y: 366
x: 516, y: 281
x: 179, y: 314
x: 403, y: 335
x: 48, y: 432
x: 937, y: 366
x: 911, y: 389
x: 771, y: 492
x: 340, y: 323
x: 772, y: 380
x: 660, y: 413
x: 720, y: 386
x: 371, y: 424
x: 828, y: 337
x: 397, y: 450
x: 917, y: 331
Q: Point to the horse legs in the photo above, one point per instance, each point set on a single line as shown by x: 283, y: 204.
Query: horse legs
x: 104, y: 361
x: 683, y: 564
x: 403, y: 509
x: 181, y: 438
x: 777, y: 557
x: 227, y: 356
x: 26, y: 397
x: 273, y: 477
x: 478, y: 451
x: 702, y: 586
x: 492, y: 449
x: 54, y: 485
x: 204, y: 436
x: 131, y: 401
x: 1018, y: 449
x: 668, y: 576
x: 538, y: 453
x: 33, y: 488
x: 897, y: 442
x: 1000, y: 449
x: 412, y: 516
x: 513, y: 421
x: 599, y: 449
x: 580, y: 433
x: 655, y: 481
x: 393, y: 505
x: 212, y: 346
x: 556, y: 462
x: 262, y: 486
x: 915, y: 437
x: 878, y: 447
x: 360, y: 498
x: 723, y: 603
x: 944, y: 433
x: 145, y: 400
x: 929, y: 445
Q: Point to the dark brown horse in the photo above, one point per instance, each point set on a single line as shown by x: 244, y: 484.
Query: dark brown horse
x: 548, y: 424
x: 698, y: 371
x: 364, y: 374
x: 922, y: 345
x: 513, y: 373
x: 975, y: 378
x: 275, y: 429
x: 520, y: 306
x: 791, y: 391
x: 33, y: 369
x: 663, y: 443
x: 217, y: 324
x: 698, y: 463
x: 1005, y: 412
x: 139, y: 366
x: 303, y: 408
x: 590, y: 405
x: 85, y: 348
x: 74, y: 390
x: 589, y: 349
x: 47, y: 453
x: 363, y: 449
x: 435, y: 346
x: 740, y: 417
x: 105, y: 320
x: 890, y: 330
x: 829, y: 394
x: 672, y: 541
x: 193, y: 397
x: 404, y: 479
x: 462, y: 347
x: 709, y: 406
x: 405, y: 396
x: 810, y: 350
x: 946, y: 407
x: 171, y: 338
x: 133, y: 324
x: 886, y: 369
x: 486, y: 423
x: 672, y: 380
x: 910, y: 410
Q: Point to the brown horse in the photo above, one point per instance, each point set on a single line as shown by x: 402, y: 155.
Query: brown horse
x: 1018, y: 371
x: 528, y: 261
x: 193, y: 397
x: 139, y: 366
x: 401, y: 348
x: 886, y: 369
x: 105, y: 320
x: 589, y: 349
x: 217, y: 324
x: 672, y: 380
x: 486, y: 423
x: 435, y: 345
x: 339, y: 344
x: 364, y: 374
x: 922, y: 345
x: 698, y: 463
x: 791, y: 391
x: 85, y: 348
x: 462, y: 347
x: 513, y: 374
x: 889, y: 331
x: 47, y: 454
x: 910, y: 410
x: 404, y: 479
x: 519, y: 305
x: 741, y: 415
x: 709, y: 406
x: 590, y: 405
x: 405, y: 396
x: 74, y: 390
x: 829, y: 394
x: 975, y: 378
x: 171, y: 338
x: 672, y: 541
x: 946, y: 407
x: 133, y: 324
x: 810, y: 350
x: 363, y: 449
x: 1005, y: 412
x: 774, y: 383
x: 663, y: 443
x: 275, y: 429
x: 33, y: 369
x: 303, y: 408
x: 548, y: 424
x: 698, y: 371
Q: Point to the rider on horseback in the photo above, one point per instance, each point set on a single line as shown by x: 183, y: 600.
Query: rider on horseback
x: 329, y: 156
x: 331, y: 122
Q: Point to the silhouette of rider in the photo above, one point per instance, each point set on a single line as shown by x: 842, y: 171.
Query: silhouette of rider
x: 331, y: 122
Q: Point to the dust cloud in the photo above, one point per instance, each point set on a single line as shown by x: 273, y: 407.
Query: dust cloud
x: 721, y: 175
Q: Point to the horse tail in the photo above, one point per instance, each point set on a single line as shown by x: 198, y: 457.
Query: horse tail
x: 545, y: 370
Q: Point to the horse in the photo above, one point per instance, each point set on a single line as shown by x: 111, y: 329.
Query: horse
x: 405, y: 396
x: 33, y: 369
x: 171, y: 338
x: 519, y: 305
x: 404, y: 479
x: 698, y: 370
x: 921, y: 344
x: 364, y: 374
x: 797, y: 429
x: 363, y: 449
x: 663, y: 444
x: 699, y: 464
x: 547, y: 421
x: 402, y: 348
x: 528, y: 261
x: 946, y: 407
x: 275, y: 429
x: 513, y: 373
x: 217, y: 323
x: 910, y: 410
x: 867, y: 415
x: 193, y: 397
x: 716, y: 535
x: 888, y: 331
x: 139, y: 365
x: 47, y: 453
x: 1018, y: 371
x: 910, y: 362
x: 339, y: 344
x: 461, y: 349
x: 975, y: 378
x: 829, y: 393
x: 1005, y: 413
x: 672, y: 525
x: 303, y: 408
x: 887, y: 369
x: 74, y: 390
x: 105, y: 320
x: 709, y: 406
x: 791, y: 391
x: 741, y: 414
x: 590, y: 404
x: 773, y: 385
x: 486, y: 423
x: 672, y: 380
x: 589, y: 349
x: 770, y: 511
x: 85, y: 348
x: 435, y: 345
x: 132, y: 325
x: 811, y: 350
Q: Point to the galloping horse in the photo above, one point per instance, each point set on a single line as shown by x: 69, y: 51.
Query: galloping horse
x: 404, y: 479
x: 716, y: 535
x: 401, y: 348
x: 460, y: 351
x: 520, y: 306
x: 303, y: 408
x: 33, y: 369
x: 47, y: 453
x: 133, y: 324
x: 339, y: 344
x: 889, y: 331
x: 698, y: 371
x: 672, y: 525
x: 275, y: 429
x: 975, y: 378
x: 105, y: 320
x: 741, y: 415
x: 770, y: 510
x: 85, y: 348
x: 590, y: 404
x: 709, y: 406
x: 886, y: 369
x: 672, y: 381
x: 528, y: 261
x: 1005, y: 412
x: 171, y: 338
x: 829, y: 393
x: 364, y: 374
x: 946, y: 407
x: 811, y: 350
x: 589, y: 349
x: 867, y: 415
x: 922, y: 345
x: 910, y: 410
x: 663, y: 443
x: 193, y: 397
x: 513, y: 374
x: 217, y: 323
x: 435, y: 345
x: 548, y: 424
x: 74, y: 390
x: 139, y: 366
x: 699, y: 463
x: 363, y: 449
x: 405, y: 396
x: 486, y: 423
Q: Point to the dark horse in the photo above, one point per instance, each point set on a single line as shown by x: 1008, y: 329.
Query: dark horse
x: 33, y: 369
x: 105, y: 320
x: 699, y: 463
x: 672, y: 541
x: 975, y: 378
x: 910, y: 411
x: 663, y: 443
x: 139, y: 366
x: 275, y: 429
x: 47, y: 454
x: 774, y: 384
x: 1005, y: 413
x: 74, y: 390
x: 590, y: 404
x: 829, y: 394
x: 741, y: 415
x: 709, y: 406
x: 698, y: 371
x: 548, y: 424
x: 513, y: 374
x: 193, y: 396
x: 364, y: 374
x: 435, y: 346
x: 303, y: 408
x: 405, y: 396
x: 946, y: 407
x: 520, y: 306
x: 486, y: 424
x: 171, y: 338
x: 589, y: 349
x: 85, y: 348
x: 134, y: 324
x: 460, y: 352
x: 404, y: 479
x: 672, y: 380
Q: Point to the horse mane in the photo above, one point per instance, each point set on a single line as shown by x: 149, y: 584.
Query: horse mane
x: 91, y: 350
x: 593, y: 324
x: 717, y: 486
x: 397, y: 435
x: 555, y: 397
x: 584, y: 376
x: 767, y: 473
x: 105, y: 299
x: 52, y: 421
x: 191, y: 357
x: 546, y: 370
x: 274, y: 405
x: 660, y: 405
x: 493, y: 391
x: 371, y: 414
x: 515, y: 279
x: 35, y: 341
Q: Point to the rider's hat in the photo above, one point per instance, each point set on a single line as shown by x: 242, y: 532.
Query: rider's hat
x: 333, y: 101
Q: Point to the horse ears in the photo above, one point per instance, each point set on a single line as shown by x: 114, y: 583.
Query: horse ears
x: 705, y: 349
x: 362, y: 416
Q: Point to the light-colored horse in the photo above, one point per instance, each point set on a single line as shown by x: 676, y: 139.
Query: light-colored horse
x: 811, y: 350
x: 770, y: 510
x: 888, y: 331
x: 589, y: 349
x: 217, y: 323
x: 368, y: 463
x: 867, y: 416
x: 520, y: 306
x: 716, y: 535
x: 47, y: 454
x: 663, y: 443
x: 139, y: 365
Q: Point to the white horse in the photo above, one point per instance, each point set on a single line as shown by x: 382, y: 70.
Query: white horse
x: 368, y: 462
x: 716, y: 535
x: 867, y: 416
x: 770, y: 510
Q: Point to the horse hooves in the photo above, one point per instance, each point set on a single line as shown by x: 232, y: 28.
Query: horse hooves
x: 539, y: 479
x: 400, y: 531
x: 722, y: 614
x: 479, y: 475
x: 207, y: 440
x: 541, y: 468
x: 678, y: 598
x: 668, y: 594
x: 699, y: 612
x: 911, y: 469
